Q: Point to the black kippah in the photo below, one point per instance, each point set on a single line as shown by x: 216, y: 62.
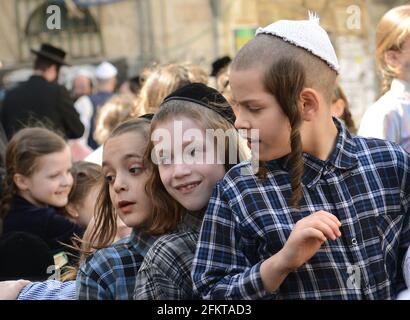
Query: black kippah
x: 147, y: 116
x: 203, y: 95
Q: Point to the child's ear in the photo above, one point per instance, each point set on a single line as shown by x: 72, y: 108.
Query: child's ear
x: 71, y: 210
x: 338, y: 108
x: 309, y: 100
x: 21, y: 181
x: 391, y: 58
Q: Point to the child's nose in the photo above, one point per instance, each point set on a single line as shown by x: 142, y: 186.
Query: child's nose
x: 67, y: 179
x: 119, y: 184
x: 181, y: 170
x: 241, y: 122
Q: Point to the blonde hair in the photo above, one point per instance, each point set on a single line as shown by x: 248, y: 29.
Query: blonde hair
x: 391, y: 32
x: 196, y: 73
x: 160, y: 82
x: 113, y: 112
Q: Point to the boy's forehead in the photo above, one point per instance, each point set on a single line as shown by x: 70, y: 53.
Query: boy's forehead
x: 246, y: 84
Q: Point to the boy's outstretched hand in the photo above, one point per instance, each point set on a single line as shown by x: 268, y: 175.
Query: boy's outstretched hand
x: 304, y: 241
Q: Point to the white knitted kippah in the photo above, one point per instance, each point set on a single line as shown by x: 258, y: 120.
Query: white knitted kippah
x: 307, y: 34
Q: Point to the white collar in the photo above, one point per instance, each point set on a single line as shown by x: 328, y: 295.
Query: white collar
x: 400, y: 86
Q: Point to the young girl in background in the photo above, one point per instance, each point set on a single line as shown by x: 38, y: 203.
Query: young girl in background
x: 83, y: 194
x: 340, y: 109
x: 36, y: 186
x: 181, y: 184
x: 112, y: 113
x: 389, y: 117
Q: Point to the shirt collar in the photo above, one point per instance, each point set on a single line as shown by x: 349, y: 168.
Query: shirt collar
x: 142, y: 241
x: 400, y: 86
x: 342, y: 157
x: 191, y: 221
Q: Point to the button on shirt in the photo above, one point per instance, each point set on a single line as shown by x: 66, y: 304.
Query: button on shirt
x: 248, y: 220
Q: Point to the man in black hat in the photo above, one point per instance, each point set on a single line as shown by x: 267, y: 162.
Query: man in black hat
x: 41, y: 99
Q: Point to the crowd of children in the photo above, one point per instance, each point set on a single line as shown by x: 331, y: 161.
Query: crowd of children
x: 182, y: 200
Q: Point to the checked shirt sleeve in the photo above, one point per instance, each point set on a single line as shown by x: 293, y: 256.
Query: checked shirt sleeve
x: 220, y: 269
x: 90, y: 283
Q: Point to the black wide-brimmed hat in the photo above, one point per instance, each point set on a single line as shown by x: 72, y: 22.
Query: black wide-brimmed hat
x: 51, y: 53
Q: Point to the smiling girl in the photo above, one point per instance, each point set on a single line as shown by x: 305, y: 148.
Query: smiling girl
x: 186, y: 168
x: 36, y: 186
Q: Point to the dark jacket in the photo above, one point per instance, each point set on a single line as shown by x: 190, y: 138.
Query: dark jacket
x: 47, y: 223
x: 40, y: 100
x: 98, y: 99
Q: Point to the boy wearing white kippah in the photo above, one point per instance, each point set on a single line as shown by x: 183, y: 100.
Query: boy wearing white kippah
x: 327, y: 214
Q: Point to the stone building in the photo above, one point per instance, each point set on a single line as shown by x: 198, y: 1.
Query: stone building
x: 136, y: 33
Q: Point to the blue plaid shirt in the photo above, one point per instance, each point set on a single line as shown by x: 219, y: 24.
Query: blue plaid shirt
x: 365, y: 183
x: 110, y: 273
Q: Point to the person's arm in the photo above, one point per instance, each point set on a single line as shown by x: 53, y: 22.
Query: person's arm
x: 222, y: 271
x: 304, y: 241
x: 73, y: 127
x: 9, y: 290
x: 149, y: 282
x: 49, y: 290
x: 404, y: 240
x: 165, y: 272
x: 89, y: 283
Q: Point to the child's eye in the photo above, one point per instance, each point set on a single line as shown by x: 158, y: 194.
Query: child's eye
x: 254, y: 109
x: 135, y: 170
x: 109, y: 179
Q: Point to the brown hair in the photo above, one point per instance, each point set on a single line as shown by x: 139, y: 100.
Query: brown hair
x: 287, y: 70
x: 347, y: 115
x: 105, y: 216
x: 160, y: 82
x: 167, y: 212
x: 222, y: 84
x: 113, y: 112
x: 86, y: 175
x: 391, y: 32
x: 21, y: 154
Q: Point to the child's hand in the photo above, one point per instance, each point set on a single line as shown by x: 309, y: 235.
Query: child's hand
x: 307, y: 236
x: 9, y: 290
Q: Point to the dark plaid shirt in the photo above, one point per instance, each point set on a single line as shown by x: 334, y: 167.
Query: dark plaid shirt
x: 109, y: 273
x: 165, y: 273
x: 365, y: 183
